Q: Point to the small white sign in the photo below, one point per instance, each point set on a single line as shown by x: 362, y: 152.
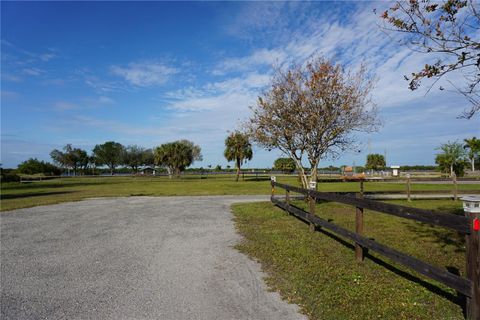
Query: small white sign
x: 273, y: 178
x: 313, y: 185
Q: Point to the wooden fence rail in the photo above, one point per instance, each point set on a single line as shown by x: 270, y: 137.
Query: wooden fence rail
x: 469, y: 286
x: 457, y: 223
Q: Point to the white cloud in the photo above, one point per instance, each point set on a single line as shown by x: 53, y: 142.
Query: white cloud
x: 101, y: 86
x: 260, y: 57
x: 32, y: 71
x: 203, y: 111
x: 84, y: 103
x: 145, y: 74
x: 248, y: 81
x: 47, y: 56
x: 224, y: 101
x: 102, y: 100
x: 234, y: 93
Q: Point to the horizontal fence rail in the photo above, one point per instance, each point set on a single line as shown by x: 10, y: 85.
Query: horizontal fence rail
x: 449, y: 279
x: 469, y: 286
x: 457, y: 223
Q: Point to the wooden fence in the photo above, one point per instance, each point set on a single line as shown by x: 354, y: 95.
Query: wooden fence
x: 469, y: 286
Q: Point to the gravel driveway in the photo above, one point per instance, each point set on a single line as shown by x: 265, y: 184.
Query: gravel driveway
x: 132, y: 258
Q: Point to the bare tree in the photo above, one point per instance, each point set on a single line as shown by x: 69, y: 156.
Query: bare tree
x: 449, y: 31
x: 313, y: 110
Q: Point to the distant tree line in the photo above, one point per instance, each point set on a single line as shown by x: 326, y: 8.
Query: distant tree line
x: 110, y: 154
x: 175, y: 157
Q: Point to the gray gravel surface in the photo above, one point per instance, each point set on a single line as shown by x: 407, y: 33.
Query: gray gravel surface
x: 132, y: 258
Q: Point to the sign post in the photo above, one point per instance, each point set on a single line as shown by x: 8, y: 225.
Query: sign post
x: 273, y: 179
x: 471, y: 206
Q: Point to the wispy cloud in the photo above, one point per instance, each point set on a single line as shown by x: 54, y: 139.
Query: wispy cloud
x: 224, y: 96
x: 32, y: 71
x: 144, y: 74
x: 104, y: 100
x: 100, y: 85
x: 47, y: 56
x: 350, y: 39
x: 259, y: 58
x: 21, y: 62
x: 203, y: 98
x: 84, y: 103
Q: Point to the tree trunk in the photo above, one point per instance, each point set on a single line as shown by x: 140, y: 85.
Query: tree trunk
x: 314, y: 175
x: 238, y: 169
x: 473, y: 163
x: 111, y: 170
x: 451, y: 170
x: 301, y: 173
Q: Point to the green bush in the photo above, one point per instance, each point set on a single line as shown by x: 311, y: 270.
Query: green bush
x: 9, y: 175
x: 34, y: 166
x: 284, y: 165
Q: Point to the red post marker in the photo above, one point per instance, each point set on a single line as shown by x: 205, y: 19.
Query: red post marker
x: 476, y: 224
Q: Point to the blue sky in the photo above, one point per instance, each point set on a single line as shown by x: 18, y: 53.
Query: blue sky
x: 147, y: 73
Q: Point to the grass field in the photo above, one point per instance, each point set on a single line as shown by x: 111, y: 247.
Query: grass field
x: 315, y: 270
x: 318, y: 271
x: 22, y: 195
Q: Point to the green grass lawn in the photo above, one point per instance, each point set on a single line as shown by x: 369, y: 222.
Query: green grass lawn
x: 318, y: 270
x: 21, y: 195
x: 315, y: 270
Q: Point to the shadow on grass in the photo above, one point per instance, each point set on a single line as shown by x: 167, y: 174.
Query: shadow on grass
x: 455, y: 211
x: 458, y: 299
x: 444, y: 237
x: 30, y: 194
x: 259, y: 178
x: 57, y: 184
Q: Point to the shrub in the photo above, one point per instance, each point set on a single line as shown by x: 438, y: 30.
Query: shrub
x: 34, y: 166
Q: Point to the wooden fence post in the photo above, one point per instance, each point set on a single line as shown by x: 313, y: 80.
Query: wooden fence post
x: 287, y: 198
x: 455, y: 187
x: 311, y: 202
x: 473, y: 264
x: 408, y: 188
x: 359, y: 225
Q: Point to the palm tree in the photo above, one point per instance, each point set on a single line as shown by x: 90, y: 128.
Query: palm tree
x: 453, y: 154
x: 238, y: 149
x: 473, y: 146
